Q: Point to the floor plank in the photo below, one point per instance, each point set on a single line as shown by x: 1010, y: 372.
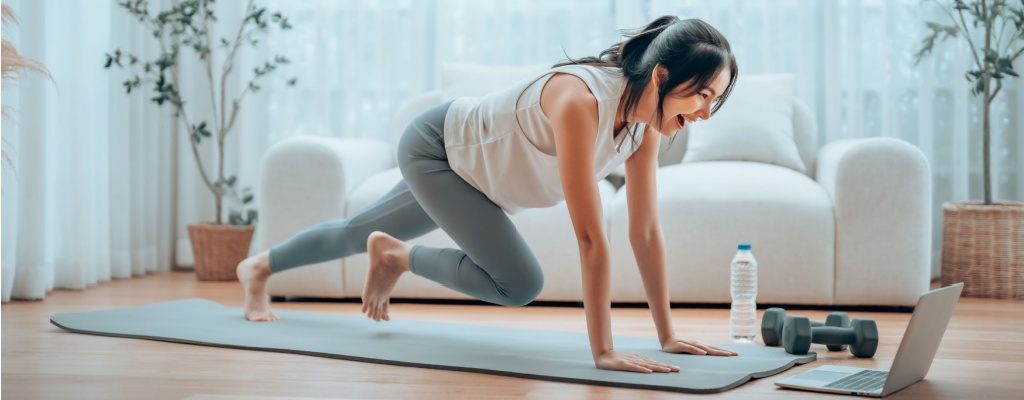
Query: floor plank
x: 982, y: 353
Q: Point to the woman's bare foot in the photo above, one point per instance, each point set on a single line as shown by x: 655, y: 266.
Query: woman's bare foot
x: 253, y: 272
x: 389, y: 258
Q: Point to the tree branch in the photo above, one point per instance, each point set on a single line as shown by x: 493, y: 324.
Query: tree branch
x: 209, y: 69
x: 999, y: 85
x: 184, y: 117
x: 1016, y: 34
x: 195, y: 149
x: 967, y: 35
x: 228, y: 66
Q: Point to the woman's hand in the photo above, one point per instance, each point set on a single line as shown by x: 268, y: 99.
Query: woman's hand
x: 676, y: 344
x: 614, y: 360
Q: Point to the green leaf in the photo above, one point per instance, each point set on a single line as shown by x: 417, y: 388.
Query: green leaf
x: 110, y: 60
x: 991, y: 55
x: 231, y: 181
x: 247, y: 199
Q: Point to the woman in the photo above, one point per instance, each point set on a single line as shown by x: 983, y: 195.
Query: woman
x: 468, y: 162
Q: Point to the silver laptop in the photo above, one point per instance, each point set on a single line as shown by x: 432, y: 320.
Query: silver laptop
x: 914, y: 357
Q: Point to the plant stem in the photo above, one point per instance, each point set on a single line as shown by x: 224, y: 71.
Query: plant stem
x: 987, y: 103
x: 209, y: 73
x: 217, y: 194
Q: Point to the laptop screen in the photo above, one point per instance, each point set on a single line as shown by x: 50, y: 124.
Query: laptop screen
x: 921, y: 340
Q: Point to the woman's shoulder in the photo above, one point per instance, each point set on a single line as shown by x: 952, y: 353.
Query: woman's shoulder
x: 567, y: 92
x: 603, y: 82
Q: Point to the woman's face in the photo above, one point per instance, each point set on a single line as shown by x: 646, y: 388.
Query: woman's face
x: 680, y: 109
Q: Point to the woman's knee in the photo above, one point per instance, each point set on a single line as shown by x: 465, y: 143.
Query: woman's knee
x: 527, y: 287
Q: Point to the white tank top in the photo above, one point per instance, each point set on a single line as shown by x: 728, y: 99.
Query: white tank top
x: 503, y: 145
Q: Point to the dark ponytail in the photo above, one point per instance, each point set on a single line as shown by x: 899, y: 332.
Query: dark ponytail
x: 689, y: 49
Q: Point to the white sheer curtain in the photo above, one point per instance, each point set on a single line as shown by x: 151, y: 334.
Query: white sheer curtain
x: 103, y: 191
x: 89, y: 196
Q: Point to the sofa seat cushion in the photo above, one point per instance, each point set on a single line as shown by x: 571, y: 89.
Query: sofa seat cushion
x: 548, y: 231
x: 706, y: 208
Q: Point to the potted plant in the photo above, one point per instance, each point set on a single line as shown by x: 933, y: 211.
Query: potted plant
x: 218, y: 247
x: 983, y: 242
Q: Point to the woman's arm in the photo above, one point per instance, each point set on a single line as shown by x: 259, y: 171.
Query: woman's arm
x: 573, y: 116
x: 649, y: 246
x: 572, y: 109
x: 645, y: 230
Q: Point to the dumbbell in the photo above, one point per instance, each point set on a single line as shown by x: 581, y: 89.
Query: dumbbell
x: 773, y: 321
x: 862, y: 336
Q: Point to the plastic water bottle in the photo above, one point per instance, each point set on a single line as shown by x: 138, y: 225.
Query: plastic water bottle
x: 743, y: 316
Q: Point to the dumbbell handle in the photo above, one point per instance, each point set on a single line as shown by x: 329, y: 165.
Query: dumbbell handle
x: 832, y: 335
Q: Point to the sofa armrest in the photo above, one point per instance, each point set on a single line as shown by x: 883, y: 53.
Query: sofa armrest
x: 304, y: 181
x: 881, y: 191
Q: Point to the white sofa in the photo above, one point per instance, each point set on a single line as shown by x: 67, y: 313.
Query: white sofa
x: 854, y: 230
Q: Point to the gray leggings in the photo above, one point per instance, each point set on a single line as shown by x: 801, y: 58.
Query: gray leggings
x: 495, y: 264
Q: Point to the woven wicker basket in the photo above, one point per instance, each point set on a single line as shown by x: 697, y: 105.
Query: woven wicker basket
x: 983, y: 246
x: 219, y: 248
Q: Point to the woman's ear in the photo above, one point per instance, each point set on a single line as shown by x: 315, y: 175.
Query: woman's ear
x: 659, y: 74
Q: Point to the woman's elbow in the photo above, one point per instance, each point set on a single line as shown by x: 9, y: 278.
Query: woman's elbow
x: 644, y: 235
x: 589, y: 242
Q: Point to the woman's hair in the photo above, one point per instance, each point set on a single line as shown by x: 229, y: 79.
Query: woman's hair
x: 690, y: 50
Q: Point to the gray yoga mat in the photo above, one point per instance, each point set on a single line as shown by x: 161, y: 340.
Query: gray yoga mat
x: 523, y: 353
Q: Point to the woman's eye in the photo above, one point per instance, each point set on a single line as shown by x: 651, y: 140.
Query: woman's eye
x: 704, y: 95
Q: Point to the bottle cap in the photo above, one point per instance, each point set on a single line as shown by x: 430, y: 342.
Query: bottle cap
x: 744, y: 246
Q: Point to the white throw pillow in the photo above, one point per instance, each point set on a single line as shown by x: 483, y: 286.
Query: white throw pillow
x: 754, y: 124
x: 467, y: 80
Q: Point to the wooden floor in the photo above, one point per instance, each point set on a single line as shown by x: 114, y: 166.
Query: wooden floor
x: 982, y: 354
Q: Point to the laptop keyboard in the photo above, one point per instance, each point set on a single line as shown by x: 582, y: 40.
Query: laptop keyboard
x: 863, y: 381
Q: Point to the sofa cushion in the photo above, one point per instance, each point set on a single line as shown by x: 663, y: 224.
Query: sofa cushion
x: 548, y: 231
x: 707, y: 208
x: 754, y: 124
